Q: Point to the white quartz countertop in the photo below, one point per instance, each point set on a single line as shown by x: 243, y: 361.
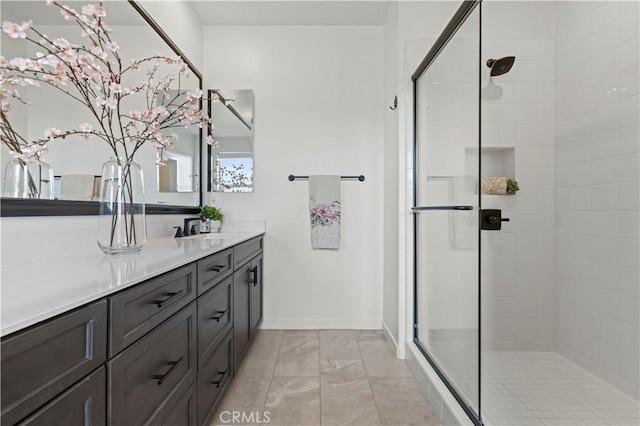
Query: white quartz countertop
x: 37, y: 290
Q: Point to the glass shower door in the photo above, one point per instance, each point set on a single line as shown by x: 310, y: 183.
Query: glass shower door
x: 446, y: 208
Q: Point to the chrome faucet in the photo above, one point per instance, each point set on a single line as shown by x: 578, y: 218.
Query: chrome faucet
x: 195, y: 229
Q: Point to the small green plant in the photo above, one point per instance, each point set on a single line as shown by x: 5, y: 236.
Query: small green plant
x: 211, y: 212
x: 512, y: 187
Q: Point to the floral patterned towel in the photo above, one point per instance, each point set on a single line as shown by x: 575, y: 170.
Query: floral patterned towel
x: 324, y: 211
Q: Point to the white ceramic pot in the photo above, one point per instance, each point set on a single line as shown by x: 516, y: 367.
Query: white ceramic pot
x: 215, y: 226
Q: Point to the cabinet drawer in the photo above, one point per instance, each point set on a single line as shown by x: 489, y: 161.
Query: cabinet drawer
x: 83, y: 404
x: 214, y: 269
x: 185, y: 412
x: 214, y: 318
x: 137, y: 311
x: 214, y: 379
x: 148, y: 378
x: 245, y: 251
x: 40, y: 363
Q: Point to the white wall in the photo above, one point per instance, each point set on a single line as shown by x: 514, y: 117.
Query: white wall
x: 318, y: 110
x: 596, y: 188
x: 391, y: 150
x: 181, y: 23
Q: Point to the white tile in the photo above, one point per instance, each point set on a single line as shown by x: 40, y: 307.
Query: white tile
x: 628, y: 167
x: 628, y: 111
x: 629, y: 224
x: 629, y: 310
x: 629, y: 281
x: 629, y: 196
x: 627, y: 83
x: 629, y: 336
x: 628, y: 53
x: 628, y: 139
x: 604, y: 197
x: 527, y: 286
x: 628, y: 253
x: 628, y: 27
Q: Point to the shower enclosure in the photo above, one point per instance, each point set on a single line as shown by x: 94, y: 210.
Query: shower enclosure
x: 527, y: 300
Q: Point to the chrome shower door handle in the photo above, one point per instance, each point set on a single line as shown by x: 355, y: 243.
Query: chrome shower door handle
x: 418, y: 209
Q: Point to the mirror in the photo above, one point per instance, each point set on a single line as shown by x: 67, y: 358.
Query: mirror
x: 231, y: 151
x: 76, y: 162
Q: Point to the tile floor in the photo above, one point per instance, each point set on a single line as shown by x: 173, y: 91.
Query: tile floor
x: 545, y: 388
x: 325, y: 377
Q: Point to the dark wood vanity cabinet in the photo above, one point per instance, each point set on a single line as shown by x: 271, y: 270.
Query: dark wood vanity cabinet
x: 247, y: 306
x: 41, y: 362
x: 162, y: 352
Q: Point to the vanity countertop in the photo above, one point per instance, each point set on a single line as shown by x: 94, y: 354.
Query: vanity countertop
x: 38, y: 290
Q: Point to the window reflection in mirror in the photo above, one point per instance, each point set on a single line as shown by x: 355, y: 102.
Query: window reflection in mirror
x: 231, y: 168
x: 76, y: 162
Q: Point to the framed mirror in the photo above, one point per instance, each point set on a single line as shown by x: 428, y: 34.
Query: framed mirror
x: 230, y: 154
x: 76, y: 162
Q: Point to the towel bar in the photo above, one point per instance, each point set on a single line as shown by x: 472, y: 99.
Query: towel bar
x: 360, y: 178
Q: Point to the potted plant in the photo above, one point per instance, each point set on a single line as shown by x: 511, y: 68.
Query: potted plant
x: 213, y: 217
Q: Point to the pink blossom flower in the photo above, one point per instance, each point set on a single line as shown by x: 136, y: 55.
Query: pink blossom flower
x: 209, y: 140
x: 52, y: 133
x: 16, y: 30
x: 98, y: 52
x: 115, y: 88
x: 68, y: 13
x: 85, y: 129
x: 134, y: 65
x: 93, y: 10
x: 111, y: 103
x: 112, y: 46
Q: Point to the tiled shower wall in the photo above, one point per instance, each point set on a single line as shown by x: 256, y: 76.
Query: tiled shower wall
x: 596, y: 189
x: 517, y: 114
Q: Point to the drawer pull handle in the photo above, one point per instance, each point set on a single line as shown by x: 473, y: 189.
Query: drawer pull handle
x: 218, y: 268
x: 253, y: 275
x: 222, y: 374
x: 161, y: 377
x: 159, y: 303
x: 220, y: 315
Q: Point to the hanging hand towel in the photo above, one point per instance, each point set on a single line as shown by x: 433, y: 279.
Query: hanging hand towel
x: 324, y: 211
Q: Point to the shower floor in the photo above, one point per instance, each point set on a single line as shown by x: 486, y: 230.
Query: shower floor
x: 544, y: 388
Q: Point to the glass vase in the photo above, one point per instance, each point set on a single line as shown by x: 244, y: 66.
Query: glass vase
x: 122, y: 225
x: 28, y: 180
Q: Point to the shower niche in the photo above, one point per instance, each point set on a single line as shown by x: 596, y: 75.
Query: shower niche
x: 497, y: 163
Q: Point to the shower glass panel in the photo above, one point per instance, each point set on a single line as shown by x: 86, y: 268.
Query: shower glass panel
x: 446, y: 204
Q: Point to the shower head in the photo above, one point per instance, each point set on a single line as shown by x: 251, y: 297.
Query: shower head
x: 500, y: 66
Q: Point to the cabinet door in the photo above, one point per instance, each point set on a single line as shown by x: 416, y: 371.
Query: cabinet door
x: 40, y: 363
x: 214, y: 318
x: 241, y: 312
x: 185, y: 412
x: 256, y: 293
x: 213, y: 381
x: 83, y: 404
x: 150, y: 377
x: 138, y: 310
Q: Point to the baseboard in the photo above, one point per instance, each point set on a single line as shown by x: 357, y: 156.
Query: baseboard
x: 310, y: 324
x: 392, y: 340
x: 441, y: 400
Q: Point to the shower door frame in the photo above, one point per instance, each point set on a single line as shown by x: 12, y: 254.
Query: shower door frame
x: 459, y: 18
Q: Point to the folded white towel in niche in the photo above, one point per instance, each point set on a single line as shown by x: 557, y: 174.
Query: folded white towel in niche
x: 324, y: 211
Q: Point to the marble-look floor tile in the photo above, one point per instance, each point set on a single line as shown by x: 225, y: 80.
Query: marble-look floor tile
x: 266, y: 344
x: 341, y: 370
x: 299, y: 355
x: 348, y: 403
x: 374, y: 347
x: 307, y: 364
x: 400, y: 401
x: 338, y: 344
x: 256, y: 368
x: 244, y: 395
x: 294, y: 401
x: 299, y: 342
x: 387, y: 367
